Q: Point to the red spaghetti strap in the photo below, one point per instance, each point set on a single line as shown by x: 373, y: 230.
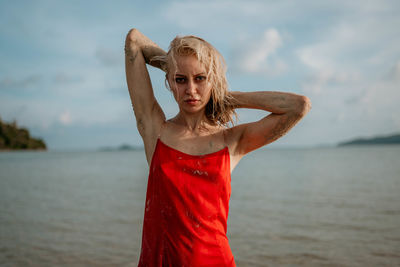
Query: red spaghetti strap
x: 186, y: 211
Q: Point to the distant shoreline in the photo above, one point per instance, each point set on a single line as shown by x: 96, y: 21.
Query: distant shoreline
x: 123, y: 147
x: 378, y: 140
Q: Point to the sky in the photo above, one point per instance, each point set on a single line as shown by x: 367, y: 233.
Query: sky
x: 62, y: 64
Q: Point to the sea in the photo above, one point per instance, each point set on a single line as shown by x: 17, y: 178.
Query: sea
x: 320, y: 206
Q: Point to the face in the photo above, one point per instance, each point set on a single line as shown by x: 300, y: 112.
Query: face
x: 189, y: 84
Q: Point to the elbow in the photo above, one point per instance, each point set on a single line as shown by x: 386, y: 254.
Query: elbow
x: 132, y: 38
x: 303, y: 106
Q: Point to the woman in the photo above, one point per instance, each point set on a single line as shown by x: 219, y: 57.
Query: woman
x: 192, y: 155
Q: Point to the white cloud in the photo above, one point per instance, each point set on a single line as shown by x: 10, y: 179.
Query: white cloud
x: 259, y: 56
x: 352, y: 70
x: 360, y: 44
x: 65, y: 118
x: 329, y: 61
x: 353, y: 63
x: 324, y: 78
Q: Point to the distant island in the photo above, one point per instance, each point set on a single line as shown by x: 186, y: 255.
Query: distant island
x: 379, y: 140
x: 121, y: 148
x: 14, y: 138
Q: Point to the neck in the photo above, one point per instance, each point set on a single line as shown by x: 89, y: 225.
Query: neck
x: 193, y: 122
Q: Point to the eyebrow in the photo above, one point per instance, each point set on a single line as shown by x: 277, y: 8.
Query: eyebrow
x: 201, y: 73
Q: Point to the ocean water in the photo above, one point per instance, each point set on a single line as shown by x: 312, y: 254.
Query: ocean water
x: 289, y: 207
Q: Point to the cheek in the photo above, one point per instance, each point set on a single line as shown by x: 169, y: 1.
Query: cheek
x: 207, y: 90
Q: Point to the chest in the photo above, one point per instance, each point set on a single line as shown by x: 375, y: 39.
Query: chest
x: 198, y: 145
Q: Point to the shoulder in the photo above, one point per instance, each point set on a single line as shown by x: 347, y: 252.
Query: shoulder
x: 232, y: 135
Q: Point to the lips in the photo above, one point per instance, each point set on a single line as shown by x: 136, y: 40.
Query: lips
x: 192, y: 101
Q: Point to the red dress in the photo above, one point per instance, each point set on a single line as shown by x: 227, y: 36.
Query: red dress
x: 186, y: 212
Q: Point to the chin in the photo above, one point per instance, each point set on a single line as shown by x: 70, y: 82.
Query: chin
x: 192, y: 109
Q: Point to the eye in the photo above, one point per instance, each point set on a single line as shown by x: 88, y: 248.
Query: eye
x: 201, y: 78
x: 180, y: 80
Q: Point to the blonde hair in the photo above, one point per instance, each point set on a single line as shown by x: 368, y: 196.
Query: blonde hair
x: 221, y: 108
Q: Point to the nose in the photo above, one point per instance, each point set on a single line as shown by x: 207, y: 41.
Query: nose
x: 190, y: 88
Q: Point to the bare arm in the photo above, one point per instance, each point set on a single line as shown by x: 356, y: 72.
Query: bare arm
x: 140, y: 50
x: 286, y: 110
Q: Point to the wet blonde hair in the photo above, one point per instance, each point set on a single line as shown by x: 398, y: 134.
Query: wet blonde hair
x: 220, y: 109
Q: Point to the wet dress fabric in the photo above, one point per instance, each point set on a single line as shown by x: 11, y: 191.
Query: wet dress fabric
x: 186, y: 210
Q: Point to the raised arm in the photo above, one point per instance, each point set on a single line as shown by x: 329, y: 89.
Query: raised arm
x: 286, y: 110
x: 140, y: 50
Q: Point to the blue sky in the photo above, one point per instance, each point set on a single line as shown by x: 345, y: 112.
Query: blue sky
x: 62, y: 65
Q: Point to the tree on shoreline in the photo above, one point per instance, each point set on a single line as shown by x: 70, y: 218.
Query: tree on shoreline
x: 14, y: 138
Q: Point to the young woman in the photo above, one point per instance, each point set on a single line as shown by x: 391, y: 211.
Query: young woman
x: 192, y: 155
